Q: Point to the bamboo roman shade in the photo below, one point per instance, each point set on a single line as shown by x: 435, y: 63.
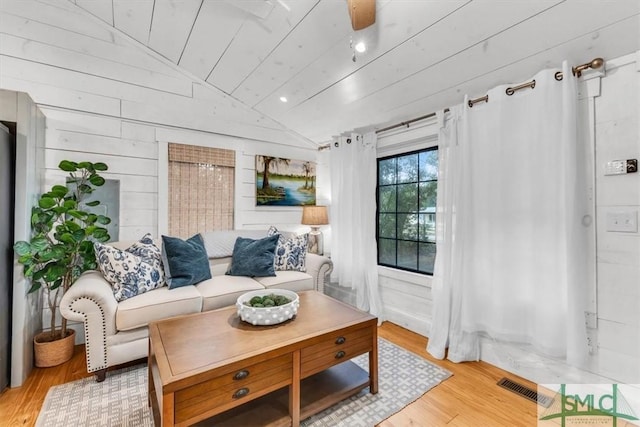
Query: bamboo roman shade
x: 201, y: 189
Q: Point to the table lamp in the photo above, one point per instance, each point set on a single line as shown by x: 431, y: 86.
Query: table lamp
x: 315, y: 216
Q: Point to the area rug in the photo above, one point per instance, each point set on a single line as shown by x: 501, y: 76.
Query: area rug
x: 121, y: 400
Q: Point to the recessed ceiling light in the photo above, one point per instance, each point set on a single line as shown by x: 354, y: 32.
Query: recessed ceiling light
x: 361, y: 47
x: 283, y: 98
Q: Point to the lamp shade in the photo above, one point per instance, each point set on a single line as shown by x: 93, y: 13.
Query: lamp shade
x: 314, y: 215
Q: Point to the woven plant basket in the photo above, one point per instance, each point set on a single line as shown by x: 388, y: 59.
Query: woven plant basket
x: 53, y: 353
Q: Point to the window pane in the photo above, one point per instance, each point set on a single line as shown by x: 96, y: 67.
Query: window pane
x: 429, y: 165
x: 408, y: 168
x: 408, y: 255
x: 428, y: 194
x: 407, y: 194
x: 387, y: 251
x: 387, y: 199
x: 387, y: 225
x: 427, y: 228
x: 387, y: 171
x: 408, y: 226
x: 427, y: 257
x: 407, y: 197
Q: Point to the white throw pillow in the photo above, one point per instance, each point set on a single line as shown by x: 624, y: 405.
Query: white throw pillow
x: 291, y: 254
x: 132, y: 271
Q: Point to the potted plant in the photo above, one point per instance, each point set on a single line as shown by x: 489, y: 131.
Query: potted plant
x: 61, y: 248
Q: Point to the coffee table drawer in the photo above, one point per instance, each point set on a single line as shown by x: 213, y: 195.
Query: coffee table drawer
x: 336, y: 348
x: 234, y: 387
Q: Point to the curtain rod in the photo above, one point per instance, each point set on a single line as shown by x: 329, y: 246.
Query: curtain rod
x: 577, y: 71
x: 407, y: 123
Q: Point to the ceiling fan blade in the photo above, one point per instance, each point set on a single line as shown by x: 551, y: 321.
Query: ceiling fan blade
x: 362, y: 13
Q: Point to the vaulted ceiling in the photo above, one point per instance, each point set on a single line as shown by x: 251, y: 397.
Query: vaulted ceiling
x: 422, y: 55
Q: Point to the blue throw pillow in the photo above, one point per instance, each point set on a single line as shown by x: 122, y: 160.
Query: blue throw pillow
x: 253, y: 258
x: 185, y: 261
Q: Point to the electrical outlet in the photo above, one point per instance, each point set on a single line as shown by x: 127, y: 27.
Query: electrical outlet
x: 624, y: 222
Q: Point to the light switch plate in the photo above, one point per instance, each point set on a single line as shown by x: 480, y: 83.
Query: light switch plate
x: 615, y: 167
x: 625, y: 222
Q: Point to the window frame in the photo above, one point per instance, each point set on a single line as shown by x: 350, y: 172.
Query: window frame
x: 417, y: 212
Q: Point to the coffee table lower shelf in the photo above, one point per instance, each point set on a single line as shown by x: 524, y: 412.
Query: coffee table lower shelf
x: 317, y: 393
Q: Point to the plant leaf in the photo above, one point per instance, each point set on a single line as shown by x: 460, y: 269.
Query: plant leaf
x: 39, y: 243
x: 46, y: 202
x: 60, y: 210
x: 54, y: 271
x: 77, y: 214
x: 96, y: 180
x: 59, y: 191
x: 93, y: 203
x: 100, y: 166
x: 35, y: 285
x: 103, y: 220
x: 84, y: 188
x: 70, y: 204
x: 78, y: 235
x: 72, y: 226
x: 66, y: 238
x: 85, y: 165
x: 22, y: 248
x: 101, y: 234
x: 68, y: 166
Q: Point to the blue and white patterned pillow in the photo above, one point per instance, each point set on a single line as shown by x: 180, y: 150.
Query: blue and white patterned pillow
x: 131, y: 272
x: 291, y: 254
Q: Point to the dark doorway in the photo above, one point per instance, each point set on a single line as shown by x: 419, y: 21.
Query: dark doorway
x: 7, y: 197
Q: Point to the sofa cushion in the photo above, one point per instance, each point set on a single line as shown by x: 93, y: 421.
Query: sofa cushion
x: 220, y: 243
x: 159, y: 304
x: 292, y: 280
x: 253, y: 258
x: 223, y: 291
x: 133, y: 271
x: 185, y: 261
x: 291, y: 252
x: 219, y: 266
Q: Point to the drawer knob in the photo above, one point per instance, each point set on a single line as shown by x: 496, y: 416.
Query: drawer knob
x: 240, y: 375
x: 340, y: 340
x: 241, y: 393
x: 340, y: 354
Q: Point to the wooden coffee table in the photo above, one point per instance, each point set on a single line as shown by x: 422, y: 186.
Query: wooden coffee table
x: 212, y: 364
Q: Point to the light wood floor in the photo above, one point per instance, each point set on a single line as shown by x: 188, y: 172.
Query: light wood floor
x: 469, y: 398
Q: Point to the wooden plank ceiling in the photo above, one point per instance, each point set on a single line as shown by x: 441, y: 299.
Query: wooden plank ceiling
x: 420, y: 55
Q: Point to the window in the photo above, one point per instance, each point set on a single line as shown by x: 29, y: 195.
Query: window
x: 407, y: 186
x: 201, y: 189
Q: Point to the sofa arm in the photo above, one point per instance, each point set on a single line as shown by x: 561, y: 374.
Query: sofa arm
x: 319, y: 267
x: 90, y: 300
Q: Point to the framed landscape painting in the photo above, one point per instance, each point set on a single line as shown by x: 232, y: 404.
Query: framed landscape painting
x: 285, y: 182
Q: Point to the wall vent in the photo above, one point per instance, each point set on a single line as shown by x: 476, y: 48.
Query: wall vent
x: 526, y: 392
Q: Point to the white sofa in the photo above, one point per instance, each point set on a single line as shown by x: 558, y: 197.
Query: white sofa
x: 116, y: 332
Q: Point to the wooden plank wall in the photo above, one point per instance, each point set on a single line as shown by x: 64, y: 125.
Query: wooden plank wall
x: 107, y: 98
x: 30, y: 134
x: 617, y: 136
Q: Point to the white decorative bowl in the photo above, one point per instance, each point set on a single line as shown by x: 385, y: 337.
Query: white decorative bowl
x: 267, y: 315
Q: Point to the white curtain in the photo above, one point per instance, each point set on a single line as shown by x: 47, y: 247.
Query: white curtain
x: 512, y: 262
x: 353, y: 218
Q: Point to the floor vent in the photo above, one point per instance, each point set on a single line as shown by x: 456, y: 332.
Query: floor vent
x: 526, y: 392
